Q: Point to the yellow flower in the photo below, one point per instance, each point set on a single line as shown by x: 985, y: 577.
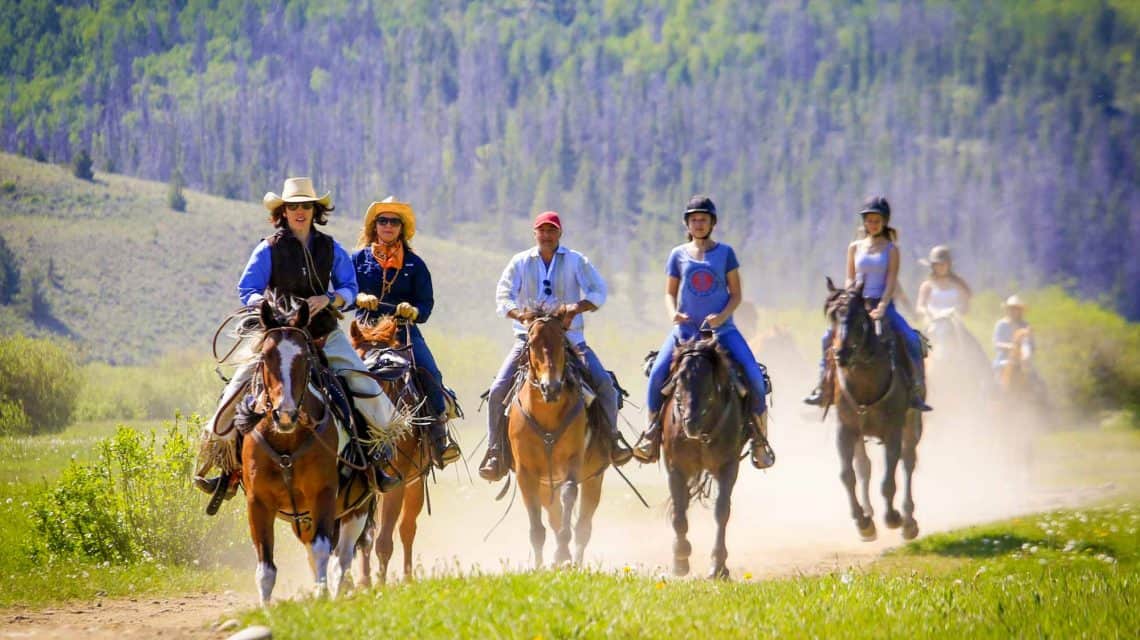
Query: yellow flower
x: 748, y: 575
x: 661, y: 585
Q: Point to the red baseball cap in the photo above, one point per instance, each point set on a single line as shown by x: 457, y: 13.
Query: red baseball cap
x: 548, y: 217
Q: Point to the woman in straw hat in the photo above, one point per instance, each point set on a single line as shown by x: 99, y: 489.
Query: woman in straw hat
x: 873, y: 260
x: 296, y: 260
x: 393, y: 279
x: 943, y: 292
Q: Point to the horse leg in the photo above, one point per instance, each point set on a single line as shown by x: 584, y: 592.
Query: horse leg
x: 364, y: 545
x: 261, y: 520
x: 340, y: 570
x: 591, y: 497
x: 528, y: 486
x: 682, y: 549
x: 893, y: 447
x: 910, y: 459
x: 390, y: 504
x: 324, y: 512
x: 863, y: 476
x: 413, y: 504
x: 725, y: 481
x: 845, y: 440
x: 565, y: 530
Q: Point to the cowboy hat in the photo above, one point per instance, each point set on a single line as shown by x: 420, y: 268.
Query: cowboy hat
x: 1014, y: 301
x: 296, y: 190
x: 390, y: 205
x: 938, y: 254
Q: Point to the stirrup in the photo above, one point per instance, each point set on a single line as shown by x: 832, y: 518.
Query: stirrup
x: 815, y: 398
x: 444, y: 451
x: 766, y: 456
x: 648, y: 449
x: 620, y: 453
x: 220, y: 488
x: 385, y: 482
x: 492, y: 469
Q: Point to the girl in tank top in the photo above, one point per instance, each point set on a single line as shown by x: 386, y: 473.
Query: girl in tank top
x: 873, y: 260
x: 943, y: 292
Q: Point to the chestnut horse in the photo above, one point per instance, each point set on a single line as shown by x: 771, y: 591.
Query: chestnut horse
x: 1015, y: 379
x: 703, y: 432
x: 411, y: 456
x: 289, y: 457
x: 872, y: 398
x: 553, y: 449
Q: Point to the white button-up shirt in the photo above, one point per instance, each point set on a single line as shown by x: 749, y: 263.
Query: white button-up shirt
x: 572, y: 279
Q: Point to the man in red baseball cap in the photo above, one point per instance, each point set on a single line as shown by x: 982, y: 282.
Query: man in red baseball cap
x: 548, y: 276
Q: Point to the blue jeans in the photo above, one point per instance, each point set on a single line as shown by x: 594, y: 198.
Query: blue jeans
x: 730, y: 340
x: 896, y: 322
x: 430, y: 378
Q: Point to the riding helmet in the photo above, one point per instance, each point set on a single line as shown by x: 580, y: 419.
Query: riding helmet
x: 700, y: 204
x: 879, y: 205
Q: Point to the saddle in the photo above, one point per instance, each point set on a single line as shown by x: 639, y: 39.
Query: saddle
x: 735, y: 371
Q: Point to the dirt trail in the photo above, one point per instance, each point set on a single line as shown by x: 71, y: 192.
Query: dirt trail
x: 790, y: 520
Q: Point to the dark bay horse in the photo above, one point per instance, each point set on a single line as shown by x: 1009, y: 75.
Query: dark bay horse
x: 290, y: 457
x: 411, y: 457
x: 702, y: 435
x: 554, y: 450
x: 871, y: 395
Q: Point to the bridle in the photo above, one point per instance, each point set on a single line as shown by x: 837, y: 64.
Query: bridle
x: 274, y: 412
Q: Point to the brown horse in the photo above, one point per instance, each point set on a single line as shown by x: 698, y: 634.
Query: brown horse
x: 703, y: 433
x: 289, y: 457
x: 411, y: 458
x: 871, y: 396
x: 553, y: 449
x: 957, y: 364
x: 1015, y: 378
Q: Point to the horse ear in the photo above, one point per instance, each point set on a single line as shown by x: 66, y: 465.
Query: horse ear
x: 831, y: 288
x: 301, y: 319
x: 268, y: 320
x: 355, y: 335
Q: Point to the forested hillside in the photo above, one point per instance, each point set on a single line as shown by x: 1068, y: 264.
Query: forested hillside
x: 1009, y: 130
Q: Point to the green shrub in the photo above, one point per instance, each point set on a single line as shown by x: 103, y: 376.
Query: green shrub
x: 132, y: 502
x: 41, y: 378
x: 13, y: 420
x: 81, y: 166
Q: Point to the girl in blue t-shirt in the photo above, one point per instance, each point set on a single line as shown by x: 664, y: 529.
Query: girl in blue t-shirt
x: 703, y: 287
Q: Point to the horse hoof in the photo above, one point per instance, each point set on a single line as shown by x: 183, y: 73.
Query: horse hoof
x: 867, y: 531
x: 893, y: 519
x: 910, y: 530
x: 719, y: 574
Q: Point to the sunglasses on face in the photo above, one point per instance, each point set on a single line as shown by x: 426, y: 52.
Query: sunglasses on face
x: 389, y: 222
x: 546, y: 287
x: 307, y: 206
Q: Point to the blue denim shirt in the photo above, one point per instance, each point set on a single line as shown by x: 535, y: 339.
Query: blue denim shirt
x: 255, y: 277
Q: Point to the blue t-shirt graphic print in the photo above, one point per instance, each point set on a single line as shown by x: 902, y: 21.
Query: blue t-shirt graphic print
x: 704, y: 284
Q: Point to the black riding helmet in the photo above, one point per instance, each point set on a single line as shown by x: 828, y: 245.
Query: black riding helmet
x: 700, y: 204
x: 879, y: 205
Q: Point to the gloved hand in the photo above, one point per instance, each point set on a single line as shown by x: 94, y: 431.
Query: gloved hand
x: 367, y: 301
x: 406, y: 310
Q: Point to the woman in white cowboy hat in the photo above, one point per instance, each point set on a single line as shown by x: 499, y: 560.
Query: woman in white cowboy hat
x: 943, y: 292
x: 296, y: 260
x: 393, y: 279
x: 1004, y: 329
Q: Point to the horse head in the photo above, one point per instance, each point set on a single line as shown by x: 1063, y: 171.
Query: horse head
x: 370, y: 339
x: 856, y: 334
x: 286, y: 360
x: 699, y: 381
x: 546, y: 353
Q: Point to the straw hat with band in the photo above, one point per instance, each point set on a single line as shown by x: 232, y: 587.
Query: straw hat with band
x: 294, y: 191
x: 1014, y: 301
x: 388, y: 205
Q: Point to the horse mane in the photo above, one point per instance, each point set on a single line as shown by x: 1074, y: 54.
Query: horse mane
x: 383, y: 330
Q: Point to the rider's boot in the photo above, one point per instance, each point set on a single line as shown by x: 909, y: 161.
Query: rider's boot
x: 762, y: 454
x: 444, y: 451
x: 815, y: 398
x: 648, y: 447
x: 918, y: 385
x: 387, y: 477
x: 493, y: 467
x: 620, y: 453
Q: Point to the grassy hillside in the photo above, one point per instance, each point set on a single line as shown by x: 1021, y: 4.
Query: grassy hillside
x: 128, y: 278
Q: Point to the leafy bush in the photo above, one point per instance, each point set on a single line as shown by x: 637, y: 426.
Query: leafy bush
x: 13, y: 420
x: 41, y: 379
x: 81, y: 166
x: 132, y: 502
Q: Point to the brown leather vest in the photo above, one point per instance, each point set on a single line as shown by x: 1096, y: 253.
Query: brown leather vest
x: 292, y: 274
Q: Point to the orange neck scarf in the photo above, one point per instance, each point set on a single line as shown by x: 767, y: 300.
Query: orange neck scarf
x: 389, y: 256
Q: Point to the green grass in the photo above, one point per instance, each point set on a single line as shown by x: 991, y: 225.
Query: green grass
x: 1066, y: 573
